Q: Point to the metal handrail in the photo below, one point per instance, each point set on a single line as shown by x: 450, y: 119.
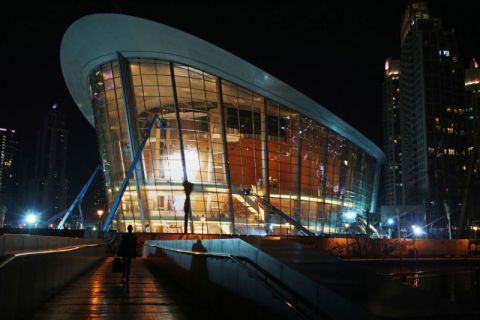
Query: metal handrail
x: 238, y: 259
x: 11, y: 257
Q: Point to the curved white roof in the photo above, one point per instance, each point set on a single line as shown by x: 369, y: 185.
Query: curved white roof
x: 95, y: 39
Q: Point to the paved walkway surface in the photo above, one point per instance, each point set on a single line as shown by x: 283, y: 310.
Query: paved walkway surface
x: 101, y: 294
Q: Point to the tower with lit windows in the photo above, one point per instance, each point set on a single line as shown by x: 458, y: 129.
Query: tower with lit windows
x: 472, y: 97
x: 472, y: 105
x: 432, y: 115
x: 392, y: 137
x: 8, y: 179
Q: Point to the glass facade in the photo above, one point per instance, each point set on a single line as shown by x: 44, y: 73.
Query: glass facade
x: 232, y: 138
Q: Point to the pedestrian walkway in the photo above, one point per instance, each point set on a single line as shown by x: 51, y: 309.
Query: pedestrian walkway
x: 102, y: 294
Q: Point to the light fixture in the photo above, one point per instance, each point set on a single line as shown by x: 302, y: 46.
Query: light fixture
x: 349, y: 216
x: 417, y: 230
x: 31, y: 217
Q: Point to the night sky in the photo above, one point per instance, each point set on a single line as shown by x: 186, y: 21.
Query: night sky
x: 333, y: 52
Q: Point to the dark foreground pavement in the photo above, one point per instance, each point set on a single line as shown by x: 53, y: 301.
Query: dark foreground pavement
x: 101, y: 294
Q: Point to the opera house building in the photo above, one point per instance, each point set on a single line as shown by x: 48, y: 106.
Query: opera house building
x: 228, y: 127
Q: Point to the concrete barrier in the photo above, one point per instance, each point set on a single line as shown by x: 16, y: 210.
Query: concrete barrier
x: 318, y: 301
x: 28, y: 281
x: 13, y: 243
x: 351, y: 247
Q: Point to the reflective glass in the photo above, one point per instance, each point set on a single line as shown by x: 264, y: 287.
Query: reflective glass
x: 311, y: 173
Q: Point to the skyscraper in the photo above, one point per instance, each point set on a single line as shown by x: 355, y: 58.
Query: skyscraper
x: 472, y: 89
x: 432, y: 116
x: 392, y: 136
x: 51, y: 163
x: 8, y: 150
x: 472, y: 105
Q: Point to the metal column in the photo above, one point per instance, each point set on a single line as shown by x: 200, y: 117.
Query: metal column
x: 323, y: 184
x: 131, y: 169
x: 226, y: 166
x: 78, y: 200
x: 182, y: 150
x: 265, y: 165
x: 298, y: 171
x: 132, y: 134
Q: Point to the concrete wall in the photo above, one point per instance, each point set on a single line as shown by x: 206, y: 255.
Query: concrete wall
x: 363, y: 247
x: 13, y: 243
x: 357, y: 247
x: 26, y: 282
x: 320, y: 301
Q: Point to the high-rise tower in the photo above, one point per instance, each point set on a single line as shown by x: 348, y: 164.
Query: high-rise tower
x: 472, y: 89
x: 392, y: 136
x: 472, y: 107
x: 433, y: 116
x: 8, y: 181
x: 51, y: 163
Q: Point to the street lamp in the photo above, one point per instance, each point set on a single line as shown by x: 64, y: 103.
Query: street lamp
x: 31, y: 219
x: 417, y: 231
x: 100, y: 213
x: 475, y: 228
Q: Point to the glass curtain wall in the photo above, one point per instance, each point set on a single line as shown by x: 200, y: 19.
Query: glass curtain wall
x: 112, y: 134
x: 161, y: 160
x: 284, y: 136
x: 242, y: 110
x: 312, y: 174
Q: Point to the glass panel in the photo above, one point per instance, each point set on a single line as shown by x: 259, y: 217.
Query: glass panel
x: 242, y: 121
x: 283, y: 132
x: 335, y: 176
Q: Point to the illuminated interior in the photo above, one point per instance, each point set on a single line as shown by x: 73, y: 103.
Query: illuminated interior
x: 233, y: 139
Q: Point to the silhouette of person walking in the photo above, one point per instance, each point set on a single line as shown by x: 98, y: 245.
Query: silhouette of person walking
x: 128, y: 250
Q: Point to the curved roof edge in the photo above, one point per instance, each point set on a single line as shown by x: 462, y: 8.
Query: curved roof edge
x: 95, y: 39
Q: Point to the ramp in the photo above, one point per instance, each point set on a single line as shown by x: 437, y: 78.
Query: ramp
x: 242, y: 268
x: 302, y: 282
